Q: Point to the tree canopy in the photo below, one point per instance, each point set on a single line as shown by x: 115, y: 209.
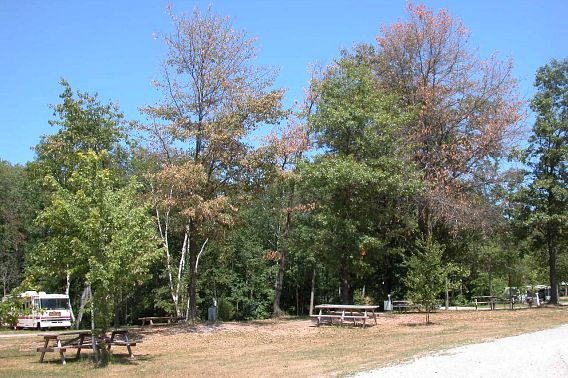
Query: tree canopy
x: 395, y: 175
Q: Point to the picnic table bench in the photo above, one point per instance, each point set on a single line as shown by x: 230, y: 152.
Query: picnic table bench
x: 82, y: 340
x: 340, y: 313
x: 405, y: 305
x: 160, y: 319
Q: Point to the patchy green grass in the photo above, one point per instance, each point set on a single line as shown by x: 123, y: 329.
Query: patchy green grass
x: 289, y: 347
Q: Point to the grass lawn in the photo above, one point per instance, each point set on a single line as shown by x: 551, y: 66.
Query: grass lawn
x: 289, y: 347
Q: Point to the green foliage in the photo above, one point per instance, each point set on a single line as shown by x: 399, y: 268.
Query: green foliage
x: 460, y: 300
x: 236, y: 268
x: 83, y: 124
x: 545, y: 199
x: 361, y: 184
x: 16, y: 229
x: 10, y: 309
x: 426, y: 275
x: 398, y: 157
x: 225, y: 310
x: 99, y: 232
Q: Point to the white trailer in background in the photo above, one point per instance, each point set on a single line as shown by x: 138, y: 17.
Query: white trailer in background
x: 44, y: 310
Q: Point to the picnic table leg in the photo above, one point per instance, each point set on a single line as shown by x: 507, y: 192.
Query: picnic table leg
x: 79, y: 346
x: 61, y: 355
x: 128, y: 345
x: 111, y: 340
x: 44, y: 348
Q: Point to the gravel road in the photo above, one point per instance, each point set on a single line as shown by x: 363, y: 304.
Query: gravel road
x: 538, y: 354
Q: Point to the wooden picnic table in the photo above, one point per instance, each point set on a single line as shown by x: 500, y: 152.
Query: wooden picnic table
x: 405, y: 305
x: 330, y: 312
x: 160, y: 319
x: 82, y: 340
x: 492, y: 301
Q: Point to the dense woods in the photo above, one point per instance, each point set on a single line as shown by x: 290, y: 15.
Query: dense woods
x: 395, y: 175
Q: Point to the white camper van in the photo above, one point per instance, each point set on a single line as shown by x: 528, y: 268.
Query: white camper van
x: 44, y: 310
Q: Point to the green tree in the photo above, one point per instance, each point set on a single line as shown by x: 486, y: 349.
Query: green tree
x: 426, y: 275
x: 14, y: 224
x: 99, y: 232
x: 360, y: 184
x: 546, y: 198
x: 84, y: 124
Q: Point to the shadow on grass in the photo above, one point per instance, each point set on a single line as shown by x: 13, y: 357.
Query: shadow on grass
x: 420, y: 324
x: 116, y: 359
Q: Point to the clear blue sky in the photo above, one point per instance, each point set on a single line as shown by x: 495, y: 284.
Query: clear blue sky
x: 108, y: 46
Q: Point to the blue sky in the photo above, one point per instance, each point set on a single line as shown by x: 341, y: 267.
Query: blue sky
x: 108, y: 47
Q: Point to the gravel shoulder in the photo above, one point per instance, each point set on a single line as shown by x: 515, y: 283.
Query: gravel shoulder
x: 538, y: 354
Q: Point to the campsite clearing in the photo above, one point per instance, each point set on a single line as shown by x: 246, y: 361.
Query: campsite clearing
x: 288, y: 347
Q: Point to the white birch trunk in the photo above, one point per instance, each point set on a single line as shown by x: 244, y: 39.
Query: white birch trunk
x: 164, y: 235
x: 67, y: 286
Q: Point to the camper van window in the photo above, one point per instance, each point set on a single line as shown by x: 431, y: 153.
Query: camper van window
x: 54, y: 304
x: 36, y: 303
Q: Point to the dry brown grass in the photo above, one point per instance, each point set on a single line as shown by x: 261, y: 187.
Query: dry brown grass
x: 285, y: 347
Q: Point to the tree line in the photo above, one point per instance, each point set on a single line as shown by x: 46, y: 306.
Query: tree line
x: 397, y: 174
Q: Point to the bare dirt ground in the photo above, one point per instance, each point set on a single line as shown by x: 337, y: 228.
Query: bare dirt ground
x: 287, y: 347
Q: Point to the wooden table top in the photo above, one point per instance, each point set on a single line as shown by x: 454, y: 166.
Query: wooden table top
x: 347, y: 307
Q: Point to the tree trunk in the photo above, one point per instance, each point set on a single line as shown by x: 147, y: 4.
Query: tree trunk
x: 447, y: 293
x: 345, y: 287
x: 192, y: 287
x: 312, y: 291
x: 85, y: 297
x: 297, y: 301
x: 276, y: 310
x: 67, y: 288
x: 552, y: 271
x: 116, y: 315
x: 490, y: 277
x: 424, y: 221
x: 93, y: 336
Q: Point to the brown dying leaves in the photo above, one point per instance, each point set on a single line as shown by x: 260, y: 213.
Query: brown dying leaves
x: 467, y: 109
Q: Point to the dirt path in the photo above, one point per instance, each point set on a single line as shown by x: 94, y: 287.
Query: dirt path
x: 538, y: 354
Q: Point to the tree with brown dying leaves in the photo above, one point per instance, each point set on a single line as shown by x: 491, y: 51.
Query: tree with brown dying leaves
x: 213, y: 98
x: 467, y: 110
